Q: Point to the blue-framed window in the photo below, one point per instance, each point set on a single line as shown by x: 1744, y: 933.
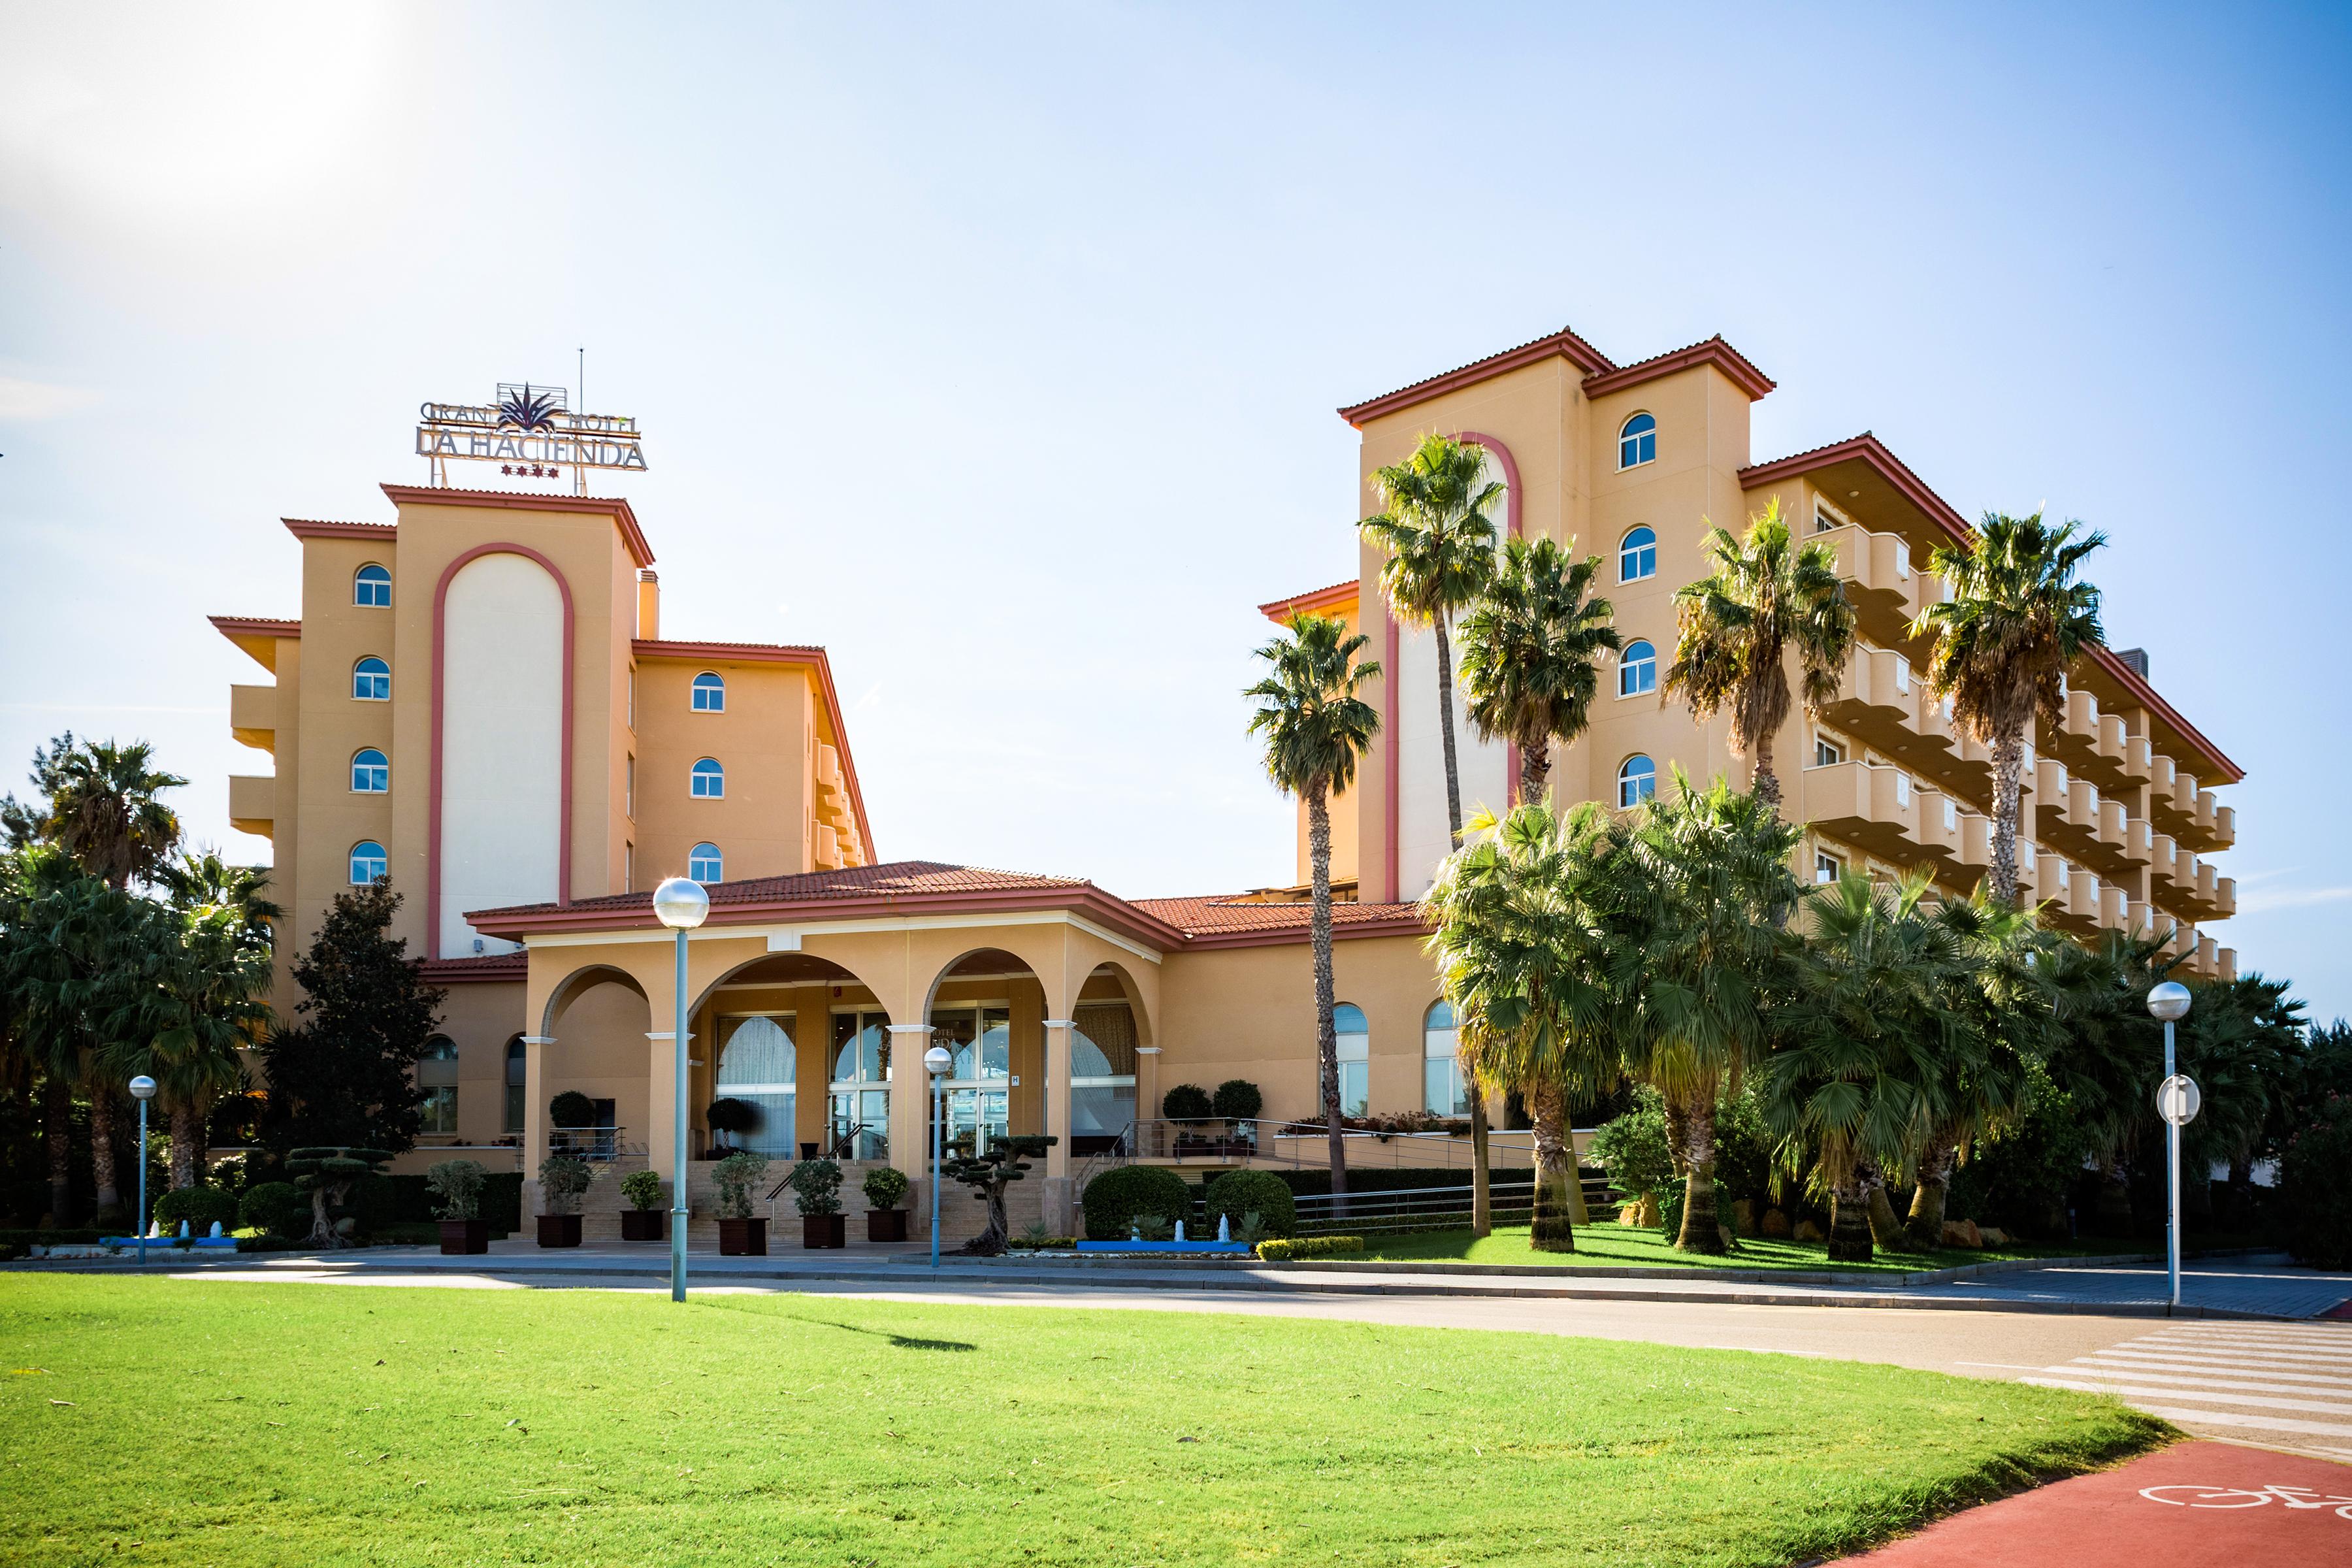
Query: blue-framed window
x: 1637, y: 555
x: 1637, y: 441
x: 704, y: 864
x: 1443, y: 1090
x: 709, y: 779
x: 1637, y: 779
x: 369, y: 863
x: 372, y: 680
x: 1637, y: 669
x: 371, y: 771
x: 1355, y: 1057
x: 372, y: 588
x: 709, y: 693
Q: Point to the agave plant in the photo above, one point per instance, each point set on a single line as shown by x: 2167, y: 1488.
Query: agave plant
x: 528, y: 410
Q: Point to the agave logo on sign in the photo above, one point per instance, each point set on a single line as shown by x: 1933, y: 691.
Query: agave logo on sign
x: 529, y: 430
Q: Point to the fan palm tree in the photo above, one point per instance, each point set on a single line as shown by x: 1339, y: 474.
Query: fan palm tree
x: 1766, y: 595
x: 1531, y: 653
x: 1316, y: 729
x: 1714, y: 956
x: 1530, y: 952
x: 2000, y: 645
x: 2107, y: 1048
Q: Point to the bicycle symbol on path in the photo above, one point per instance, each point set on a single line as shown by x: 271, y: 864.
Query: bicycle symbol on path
x: 2302, y: 1498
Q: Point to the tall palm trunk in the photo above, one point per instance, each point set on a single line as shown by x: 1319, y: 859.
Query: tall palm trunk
x: 1767, y: 780
x: 188, y: 1152
x: 1701, y: 1229
x: 1879, y: 1209
x: 1553, y: 1229
x: 101, y: 1151
x: 2008, y: 762
x: 1327, y: 1034
x: 56, y: 1132
x: 1445, y: 730
x: 1677, y: 1138
x: 1849, y: 1221
x: 1927, y: 1216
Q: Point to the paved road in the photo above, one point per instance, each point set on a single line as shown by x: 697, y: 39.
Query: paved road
x: 2264, y: 1382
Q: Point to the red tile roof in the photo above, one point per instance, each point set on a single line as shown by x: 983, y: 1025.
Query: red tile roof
x: 1563, y: 343
x: 312, y: 528
x: 476, y: 969
x: 892, y: 879
x: 1220, y: 920
x: 1714, y: 351
x: 1315, y: 599
x: 254, y: 626
x: 770, y: 652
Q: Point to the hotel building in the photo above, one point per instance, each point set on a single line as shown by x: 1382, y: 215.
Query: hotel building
x: 492, y: 717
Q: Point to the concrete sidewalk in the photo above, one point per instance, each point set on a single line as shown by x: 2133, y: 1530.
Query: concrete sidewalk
x: 2265, y: 1287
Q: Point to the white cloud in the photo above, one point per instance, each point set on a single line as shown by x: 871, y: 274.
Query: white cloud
x: 2290, y: 899
x: 38, y: 400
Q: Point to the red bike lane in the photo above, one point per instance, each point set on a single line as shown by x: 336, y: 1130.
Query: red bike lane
x: 2194, y: 1504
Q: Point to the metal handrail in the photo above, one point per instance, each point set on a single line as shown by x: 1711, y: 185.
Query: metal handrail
x: 597, y: 1145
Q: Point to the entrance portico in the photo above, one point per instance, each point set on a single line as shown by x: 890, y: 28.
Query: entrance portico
x: 814, y: 997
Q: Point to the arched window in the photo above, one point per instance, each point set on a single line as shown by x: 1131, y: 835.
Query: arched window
x: 709, y: 693
x: 703, y: 864
x: 1637, y: 779
x: 372, y: 588
x: 436, y: 1077
x: 757, y: 1062
x: 1637, y: 555
x: 1443, y: 1090
x: 1102, y: 1076
x: 369, y: 863
x: 371, y: 771
x: 518, y: 1071
x: 709, y: 779
x: 1637, y: 669
x: 1355, y: 1058
x: 1637, y: 441
x: 372, y: 680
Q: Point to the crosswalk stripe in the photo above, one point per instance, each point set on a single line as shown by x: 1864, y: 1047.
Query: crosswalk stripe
x: 2121, y: 1389
x: 2173, y: 1366
x: 2205, y: 1380
x: 2238, y: 1352
x: 2292, y: 1336
x: 2248, y: 1422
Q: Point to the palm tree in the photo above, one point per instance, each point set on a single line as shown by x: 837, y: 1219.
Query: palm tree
x: 103, y: 807
x: 2107, y: 1048
x: 1316, y: 729
x: 1766, y: 596
x: 1712, y: 956
x: 1531, y: 653
x: 2002, y: 643
x: 1436, y: 528
x: 1530, y: 949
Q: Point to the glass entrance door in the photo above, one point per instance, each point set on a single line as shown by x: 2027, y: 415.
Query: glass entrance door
x: 860, y: 1088
x: 979, y: 1042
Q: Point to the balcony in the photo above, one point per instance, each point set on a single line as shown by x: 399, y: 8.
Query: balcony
x: 1879, y: 582
x: 2225, y: 826
x: 252, y: 803
x: 2075, y: 740
x: 2139, y: 761
x: 253, y: 716
x: 2065, y: 810
x: 2225, y: 963
x: 1873, y: 808
x: 2115, y: 907
x: 1878, y: 699
x: 2069, y: 895
x: 825, y: 848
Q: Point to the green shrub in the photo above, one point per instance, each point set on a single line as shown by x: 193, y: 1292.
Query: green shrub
x: 643, y: 1189
x: 572, y: 1108
x: 1634, y: 1148
x: 1187, y: 1103
x: 1238, y: 1099
x: 1262, y: 1192
x: 2316, y: 1187
x: 202, y: 1208
x: 1305, y: 1247
x: 1117, y: 1198
x: 563, y: 1178
x: 886, y: 1188
x: 735, y: 1176
x: 816, y: 1187
x: 280, y: 1209
x: 458, y: 1185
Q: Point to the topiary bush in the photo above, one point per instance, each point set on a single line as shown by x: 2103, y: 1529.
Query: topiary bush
x: 202, y: 1208
x: 1187, y: 1103
x: 280, y: 1208
x: 885, y: 1187
x: 457, y: 1184
x: 734, y: 1118
x: 1117, y: 1198
x: 562, y: 1179
x: 1239, y: 1194
x: 572, y: 1108
x: 643, y: 1189
x: 1305, y: 1247
x: 1237, y: 1099
x: 2316, y: 1187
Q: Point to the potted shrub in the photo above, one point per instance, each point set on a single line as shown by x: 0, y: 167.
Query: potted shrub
x: 816, y: 1189
x: 571, y: 1111
x: 458, y: 1185
x: 563, y: 1178
x: 885, y: 1189
x: 728, y: 1119
x: 642, y: 1220
x: 739, y: 1234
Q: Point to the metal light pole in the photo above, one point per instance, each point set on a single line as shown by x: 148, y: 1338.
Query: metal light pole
x: 935, y: 1061
x: 2170, y: 1002
x: 142, y: 1089
x: 680, y: 904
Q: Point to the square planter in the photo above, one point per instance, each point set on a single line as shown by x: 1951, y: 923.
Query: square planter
x: 559, y: 1230
x: 886, y: 1224
x: 461, y: 1237
x: 642, y: 1225
x: 743, y: 1238
x: 819, y: 1230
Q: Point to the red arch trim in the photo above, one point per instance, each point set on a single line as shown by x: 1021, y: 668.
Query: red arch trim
x: 433, y: 800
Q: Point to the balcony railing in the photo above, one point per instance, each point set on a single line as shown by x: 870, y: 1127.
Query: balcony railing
x: 597, y: 1145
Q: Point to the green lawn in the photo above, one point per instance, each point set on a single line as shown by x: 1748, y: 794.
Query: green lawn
x: 1609, y: 1246
x: 154, y: 1420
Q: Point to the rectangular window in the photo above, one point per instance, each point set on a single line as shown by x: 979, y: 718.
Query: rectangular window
x: 1827, y: 867
x: 1902, y: 675
x: 1951, y: 814
x: 859, y: 1105
x: 629, y: 788
x: 1903, y: 791
x: 1827, y: 754
x: 1442, y: 1092
x: 633, y: 696
x: 628, y: 868
x: 1355, y: 1074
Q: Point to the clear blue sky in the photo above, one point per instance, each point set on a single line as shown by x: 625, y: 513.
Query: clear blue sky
x: 997, y: 348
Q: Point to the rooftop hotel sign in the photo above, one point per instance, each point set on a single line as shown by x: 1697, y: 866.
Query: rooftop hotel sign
x: 527, y: 432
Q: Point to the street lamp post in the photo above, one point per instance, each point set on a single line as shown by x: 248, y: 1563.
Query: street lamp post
x: 935, y: 1061
x: 680, y: 904
x: 2170, y: 1002
x: 142, y: 1089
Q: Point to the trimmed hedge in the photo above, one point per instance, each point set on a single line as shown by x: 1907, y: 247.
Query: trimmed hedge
x: 1115, y: 1199
x: 1307, y: 1246
x: 200, y: 1206
x: 1237, y: 1194
x: 1316, y: 1184
x: 1044, y: 1244
x: 279, y: 1207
